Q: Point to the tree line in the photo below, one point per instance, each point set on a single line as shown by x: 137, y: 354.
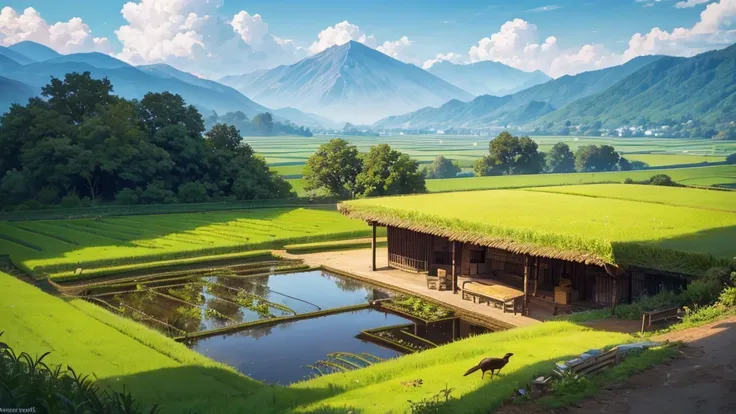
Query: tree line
x: 339, y: 169
x: 79, y: 144
x: 261, y: 124
x: 509, y: 155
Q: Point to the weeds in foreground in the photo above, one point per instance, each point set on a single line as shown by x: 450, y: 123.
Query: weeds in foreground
x: 432, y: 404
x: 27, y: 382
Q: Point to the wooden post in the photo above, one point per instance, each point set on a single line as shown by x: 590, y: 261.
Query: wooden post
x: 373, y: 247
x: 631, y: 286
x: 614, y: 296
x: 536, y: 275
x: 525, y: 310
x: 454, y: 272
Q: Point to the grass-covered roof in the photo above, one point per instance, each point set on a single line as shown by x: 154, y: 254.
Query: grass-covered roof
x: 616, y: 224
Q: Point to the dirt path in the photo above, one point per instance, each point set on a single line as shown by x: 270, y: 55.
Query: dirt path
x: 701, y: 381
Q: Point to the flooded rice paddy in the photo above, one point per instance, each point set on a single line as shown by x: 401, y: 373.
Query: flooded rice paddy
x: 189, y: 308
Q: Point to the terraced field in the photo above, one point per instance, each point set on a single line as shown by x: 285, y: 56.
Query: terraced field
x: 57, y: 246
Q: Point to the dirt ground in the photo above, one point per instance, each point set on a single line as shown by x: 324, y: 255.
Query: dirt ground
x: 702, y: 380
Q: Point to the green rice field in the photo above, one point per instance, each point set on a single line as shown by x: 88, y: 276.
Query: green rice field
x: 705, y: 199
x: 289, y: 154
x: 717, y: 176
x: 663, y: 160
x: 56, y: 246
x: 680, y: 232
x: 119, y: 352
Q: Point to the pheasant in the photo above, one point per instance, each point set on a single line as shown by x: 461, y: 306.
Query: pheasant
x: 490, y: 364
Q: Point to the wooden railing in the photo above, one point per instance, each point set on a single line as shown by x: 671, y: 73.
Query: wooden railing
x: 648, y: 318
x: 407, y: 263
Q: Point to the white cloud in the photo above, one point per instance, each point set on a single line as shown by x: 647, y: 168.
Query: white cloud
x: 444, y: 57
x: 251, y: 29
x: 710, y: 32
x: 544, y: 9
x: 340, y: 34
x: 190, y: 35
x: 398, y: 49
x: 689, y: 3
x: 65, y: 37
x: 517, y: 44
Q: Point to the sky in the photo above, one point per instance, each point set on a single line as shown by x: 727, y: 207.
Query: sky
x: 213, y: 38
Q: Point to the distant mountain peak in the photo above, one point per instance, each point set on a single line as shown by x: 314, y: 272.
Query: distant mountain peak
x: 487, y: 77
x: 34, y: 51
x: 351, y: 82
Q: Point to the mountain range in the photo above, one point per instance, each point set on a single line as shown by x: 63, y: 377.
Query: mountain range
x: 702, y: 87
x: 351, y: 82
x: 355, y: 83
x: 27, y: 66
x: 487, y: 77
x: 518, y: 108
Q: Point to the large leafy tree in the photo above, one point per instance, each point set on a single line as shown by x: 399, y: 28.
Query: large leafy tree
x: 592, y: 158
x: 78, y: 95
x: 510, y: 155
x: 333, y: 168
x: 388, y: 172
x: 560, y: 159
x: 83, y: 142
x: 442, y: 168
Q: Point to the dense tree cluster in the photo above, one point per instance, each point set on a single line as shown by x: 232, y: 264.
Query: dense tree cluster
x: 509, y: 155
x: 80, y: 144
x: 442, y: 168
x: 261, y: 124
x: 338, y: 169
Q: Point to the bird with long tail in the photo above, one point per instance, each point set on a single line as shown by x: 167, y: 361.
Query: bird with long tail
x: 490, y: 364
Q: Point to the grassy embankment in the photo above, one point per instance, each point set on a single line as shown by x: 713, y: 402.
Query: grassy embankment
x: 55, y: 247
x: 603, y: 230
x: 158, y: 370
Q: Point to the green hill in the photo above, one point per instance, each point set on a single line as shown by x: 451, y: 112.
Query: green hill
x: 703, y: 87
x: 519, y: 108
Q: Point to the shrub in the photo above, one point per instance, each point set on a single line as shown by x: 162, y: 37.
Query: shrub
x: 728, y: 297
x: 663, y: 299
x: 155, y: 193
x: 71, y: 200
x: 731, y: 159
x: 662, y: 179
x: 629, y: 181
x: 48, y: 195
x: 703, y: 291
x: 192, y: 193
x: 127, y: 197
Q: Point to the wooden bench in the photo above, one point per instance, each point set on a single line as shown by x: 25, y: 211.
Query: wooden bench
x: 507, y: 298
x: 648, y: 318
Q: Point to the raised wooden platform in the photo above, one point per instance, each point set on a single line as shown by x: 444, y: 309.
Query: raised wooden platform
x: 358, y: 264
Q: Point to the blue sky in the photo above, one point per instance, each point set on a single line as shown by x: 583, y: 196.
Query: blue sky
x: 430, y: 26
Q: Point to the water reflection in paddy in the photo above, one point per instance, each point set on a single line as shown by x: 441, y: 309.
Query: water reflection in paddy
x: 281, y: 353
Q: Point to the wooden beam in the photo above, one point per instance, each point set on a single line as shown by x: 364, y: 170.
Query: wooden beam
x: 613, y: 297
x: 373, y: 247
x: 526, y: 286
x: 454, y: 272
